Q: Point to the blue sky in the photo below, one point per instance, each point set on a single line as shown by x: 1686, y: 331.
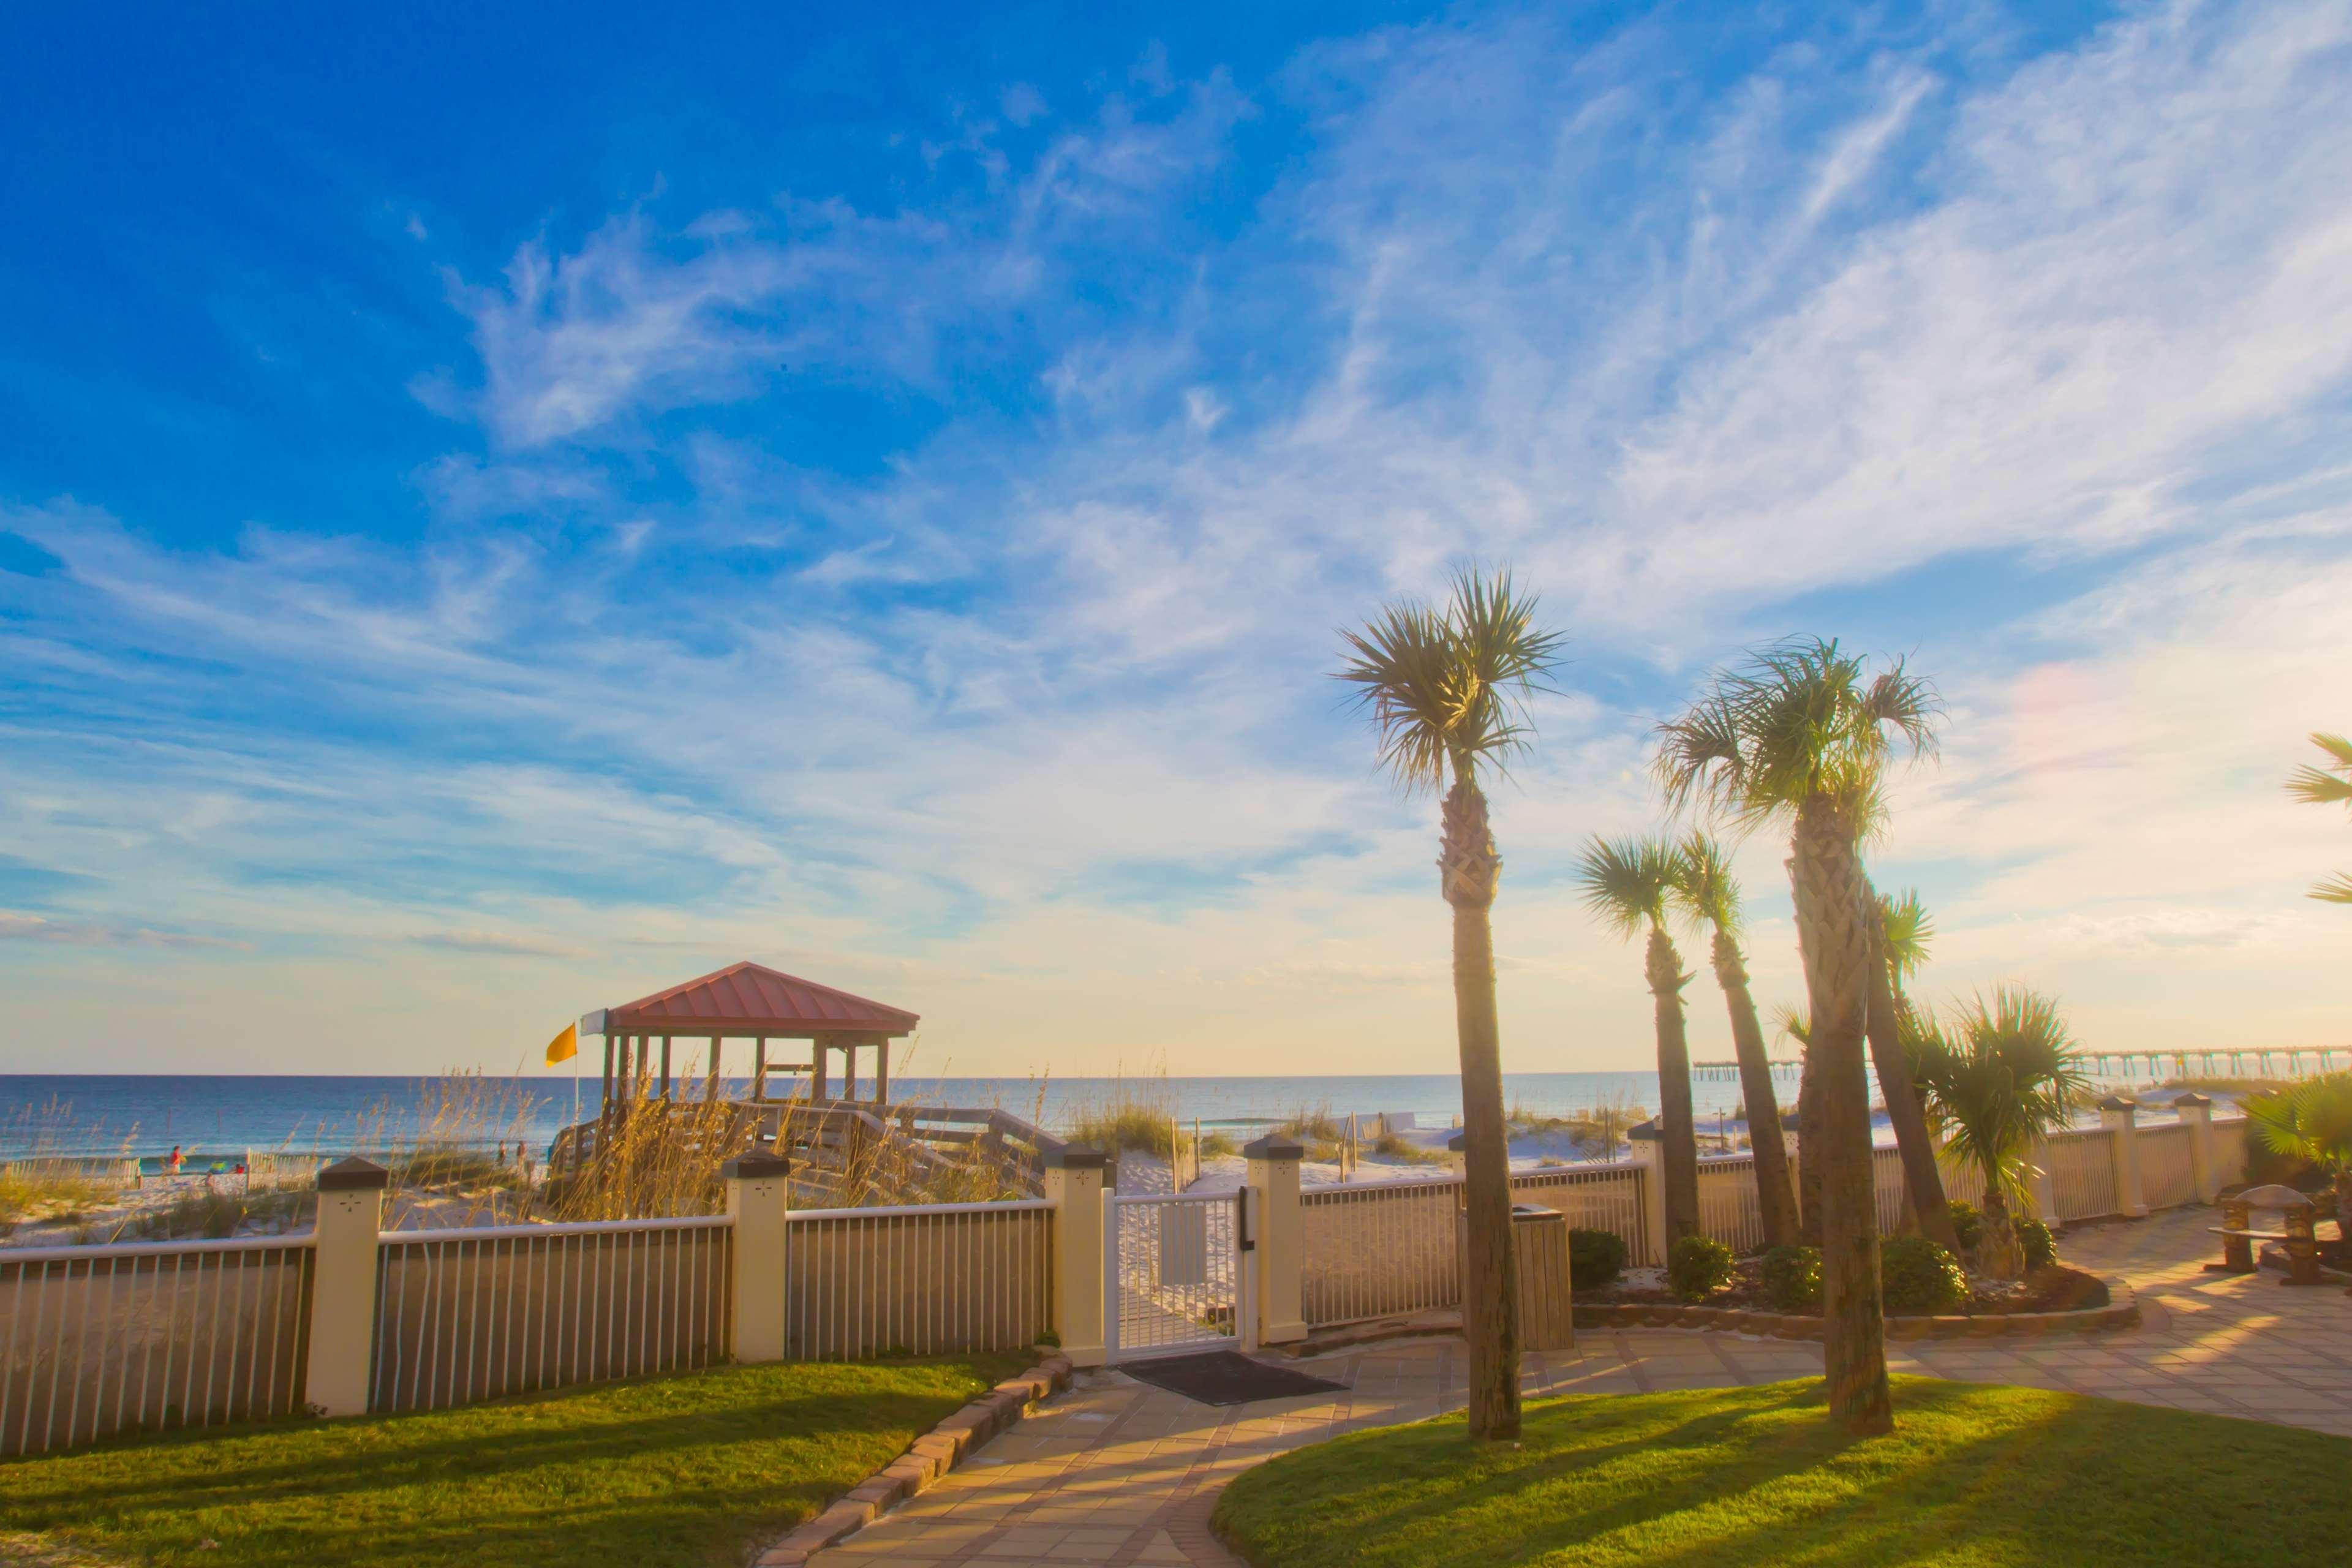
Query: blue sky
x: 502, y: 510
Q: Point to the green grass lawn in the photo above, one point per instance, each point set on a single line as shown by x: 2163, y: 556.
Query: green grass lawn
x: 1973, y: 1474
x: 687, y: 1470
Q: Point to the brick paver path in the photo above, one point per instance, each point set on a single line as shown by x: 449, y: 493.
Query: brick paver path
x: 1117, y: 1472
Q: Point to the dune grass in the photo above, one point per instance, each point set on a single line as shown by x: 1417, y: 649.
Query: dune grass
x: 686, y: 1471
x: 1974, y: 1476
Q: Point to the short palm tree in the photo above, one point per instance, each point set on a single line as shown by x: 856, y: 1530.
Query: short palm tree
x: 2000, y: 1077
x: 2312, y: 1122
x: 1707, y: 895
x: 1901, y: 932
x: 1796, y: 736
x: 1627, y: 882
x: 2330, y: 786
x: 1447, y: 688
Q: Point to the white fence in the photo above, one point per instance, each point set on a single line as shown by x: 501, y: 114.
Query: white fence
x: 1379, y: 1249
x: 469, y: 1315
x: 920, y: 1280
x: 2168, y: 1172
x: 102, y: 1340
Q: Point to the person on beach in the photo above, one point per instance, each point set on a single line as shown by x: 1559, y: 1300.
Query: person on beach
x: 172, y: 1163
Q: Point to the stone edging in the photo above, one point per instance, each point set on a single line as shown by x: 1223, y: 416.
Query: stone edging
x: 929, y: 1458
x: 2122, y: 1312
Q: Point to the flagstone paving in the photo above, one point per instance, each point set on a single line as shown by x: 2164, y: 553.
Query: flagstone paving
x: 1116, y: 1472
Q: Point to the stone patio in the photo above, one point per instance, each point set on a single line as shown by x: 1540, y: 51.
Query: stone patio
x: 1117, y: 1472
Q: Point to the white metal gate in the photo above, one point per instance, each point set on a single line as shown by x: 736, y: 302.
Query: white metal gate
x: 1178, y: 1275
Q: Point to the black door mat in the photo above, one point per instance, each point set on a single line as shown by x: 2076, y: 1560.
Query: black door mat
x: 1225, y: 1377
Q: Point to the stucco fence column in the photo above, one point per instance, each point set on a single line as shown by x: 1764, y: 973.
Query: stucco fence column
x: 1074, y: 1185
x: 2196, y: 1115
x: 1279, y: 1232
x: 757, y: 1203
x: 1649, y: 1147
x: 342, y: 1286
x: 2115, y: 1114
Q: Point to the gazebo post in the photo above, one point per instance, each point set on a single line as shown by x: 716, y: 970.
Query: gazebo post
x: 712, y: 1092
x: 881, y: 1070
x: 760, y: 1070
x: 665, y: 1093
x: 818, y: 1066
x: 605, y: 1105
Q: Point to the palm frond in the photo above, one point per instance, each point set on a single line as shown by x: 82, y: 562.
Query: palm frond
x: 1447, y: 688
x: 2337, y: 889
x: 1910, y: 931
x: 2001, y: 1075
x: 1791, y: 1023
x: 1626, y: 880
x: 2310, y: 1122
x: 1794, y: 720
x: 1704, y: 890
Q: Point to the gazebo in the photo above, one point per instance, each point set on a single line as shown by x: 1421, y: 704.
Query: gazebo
x: 748, y: 1001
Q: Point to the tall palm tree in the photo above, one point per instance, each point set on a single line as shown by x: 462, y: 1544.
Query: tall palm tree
x: 1707, y: 895
x: 1447, y: 688
x: 1627, y: 882
x: 1793, y: 1024
x: 1794, y: 737
x: 2000, y: 1076
x: 1899, y: 933
x: 2331, y: 785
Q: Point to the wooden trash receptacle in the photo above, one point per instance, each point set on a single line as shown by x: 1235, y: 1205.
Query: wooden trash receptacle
x: 1540, y: 1236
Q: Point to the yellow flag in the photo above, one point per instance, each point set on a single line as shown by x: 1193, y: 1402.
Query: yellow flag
x: 565, y: 1046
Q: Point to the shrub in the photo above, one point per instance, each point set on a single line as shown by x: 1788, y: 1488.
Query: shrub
x: 2041, y: 1247
x: 1696, y: 1265
x: 1792, y: 1278
x: 1916, y: 1276
x: 1968, y: 1224
x: 1594, y: 1256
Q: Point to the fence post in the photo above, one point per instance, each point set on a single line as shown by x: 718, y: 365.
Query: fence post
x: 1074, y: 1185
x: 2196, y: 1115
x: 1280, y: 1240
x: 1649, y: 1147
x: 2115, y: 1116
x: 342, y: 1286
x: 756, y: 1206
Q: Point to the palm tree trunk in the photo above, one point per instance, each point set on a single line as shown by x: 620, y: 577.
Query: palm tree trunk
x: 1834, y: 938
x: 1908, y: 1115
x: 1665, y: 969
x: 1775, y: 1202
x: 1809, y: 1139
x: 1468, y: 871
x: 1999, y: 1255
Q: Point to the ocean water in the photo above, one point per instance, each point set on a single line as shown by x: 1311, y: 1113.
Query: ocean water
x: 146, y: 1115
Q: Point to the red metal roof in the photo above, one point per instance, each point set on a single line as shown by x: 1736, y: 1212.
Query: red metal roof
x: 750, y: 998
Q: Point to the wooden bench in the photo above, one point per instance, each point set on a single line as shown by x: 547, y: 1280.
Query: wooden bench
x: 2295, y: 1236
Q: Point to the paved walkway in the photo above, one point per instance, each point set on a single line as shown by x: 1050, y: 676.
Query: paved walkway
x: 1117, y: 1472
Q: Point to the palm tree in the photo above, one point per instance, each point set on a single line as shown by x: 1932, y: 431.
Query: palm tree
x: 1900, y: 930
x: 1797, y: 736
x: 2312, y: 1122
x: 1707, y: 896
x: 2331, y: 785
x: 1446, y: 689
x: 2000, y: 1079
x: 1626, y: 882
x: 1793, y: 1025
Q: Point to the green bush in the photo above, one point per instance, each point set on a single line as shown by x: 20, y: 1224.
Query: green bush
x: 1792, y: 1278
x: 1968, y: 1224
x: 1696, y: 1265
x: 1594, y: 1256
x: 2041, y: 1247
x: 1914, y: 1275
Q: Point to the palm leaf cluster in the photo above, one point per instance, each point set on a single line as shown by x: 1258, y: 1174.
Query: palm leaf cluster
x: 2329, y: 785
x: 1996, y: 1076
x: 2310, y: 1122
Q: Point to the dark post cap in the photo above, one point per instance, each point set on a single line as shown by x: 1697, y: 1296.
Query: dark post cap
x: 1647, y: 1132
x: 354, y: 1174
x: 1076, y: 1157
x: 1275, y: 1146
x: 755, y: 1165
x: 2192, y: 1097
x: 2118, y: 1103
x: 1458, y: 1142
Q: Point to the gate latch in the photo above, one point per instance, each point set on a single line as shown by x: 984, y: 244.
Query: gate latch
x: 1243, y: 1240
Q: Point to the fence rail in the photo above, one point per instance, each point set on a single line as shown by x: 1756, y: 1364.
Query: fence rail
x: 1596, y: 1197
x: 1379, y: 1249
x: 467, y: 1315
x: 919, y: 1280
x: 102, y: 1340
